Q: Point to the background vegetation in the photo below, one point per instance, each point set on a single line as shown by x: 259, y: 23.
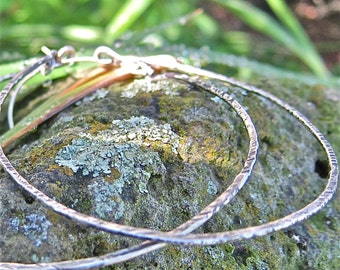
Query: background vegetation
x: 264, y: 31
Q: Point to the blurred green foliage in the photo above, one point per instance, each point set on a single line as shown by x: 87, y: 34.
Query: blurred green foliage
x: 288, y: 31
x: 27, y: 25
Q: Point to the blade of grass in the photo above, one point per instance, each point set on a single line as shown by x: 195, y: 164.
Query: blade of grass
x: 287, y: 17
x: 125, y: 17
x: 262, y: 22
x: 138, y: 37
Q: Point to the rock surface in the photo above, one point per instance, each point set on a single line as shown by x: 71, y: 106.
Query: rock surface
x: 152, y: 154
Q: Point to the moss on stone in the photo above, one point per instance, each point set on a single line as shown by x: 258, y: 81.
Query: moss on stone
x: 178, y: 148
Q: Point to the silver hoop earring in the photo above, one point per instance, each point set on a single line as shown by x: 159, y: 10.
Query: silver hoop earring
x: 169, y: 69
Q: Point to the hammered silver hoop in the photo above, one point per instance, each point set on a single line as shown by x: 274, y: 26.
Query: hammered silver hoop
x: 181, y: 235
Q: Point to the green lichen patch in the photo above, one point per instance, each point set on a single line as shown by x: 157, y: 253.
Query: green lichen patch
x: 34, y: 226
x: 106, y: 199
x: 143, y: 131
x: 135, y: 165
x: 97, y: 154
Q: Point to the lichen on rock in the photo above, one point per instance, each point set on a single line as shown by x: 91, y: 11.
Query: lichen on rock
x: 106, y: 199
x: 33, y: 226
x: 153, y: 157
x: 118, y: 147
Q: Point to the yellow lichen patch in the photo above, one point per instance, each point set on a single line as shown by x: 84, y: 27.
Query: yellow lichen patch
x: 171, y: 109
x: 251, y: 209
x: 53, y: 216
x: 212, y: 147
x: 39, y: 154
x: 183, y: 148
x: 115, y: 174
x: 165, y: 150
x: 96, y: 126
x: 43, y: 152
x: 63, y: 170
x: 209, y: 149
x: 56, y: 190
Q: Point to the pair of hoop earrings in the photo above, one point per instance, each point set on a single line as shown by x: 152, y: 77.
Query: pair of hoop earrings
x: 166, y: 67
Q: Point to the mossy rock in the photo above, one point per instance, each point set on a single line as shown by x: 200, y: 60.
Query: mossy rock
x: 152, y: 154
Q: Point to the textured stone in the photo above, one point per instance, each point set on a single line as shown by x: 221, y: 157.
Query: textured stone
x: 152, y: 154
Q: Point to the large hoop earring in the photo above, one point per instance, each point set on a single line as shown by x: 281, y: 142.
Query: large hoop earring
x: 181, y: 235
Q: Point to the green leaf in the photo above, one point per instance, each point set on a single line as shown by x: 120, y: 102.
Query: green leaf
x: 287, y: 18
x: 125, y: 17
x: 311, y: 56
